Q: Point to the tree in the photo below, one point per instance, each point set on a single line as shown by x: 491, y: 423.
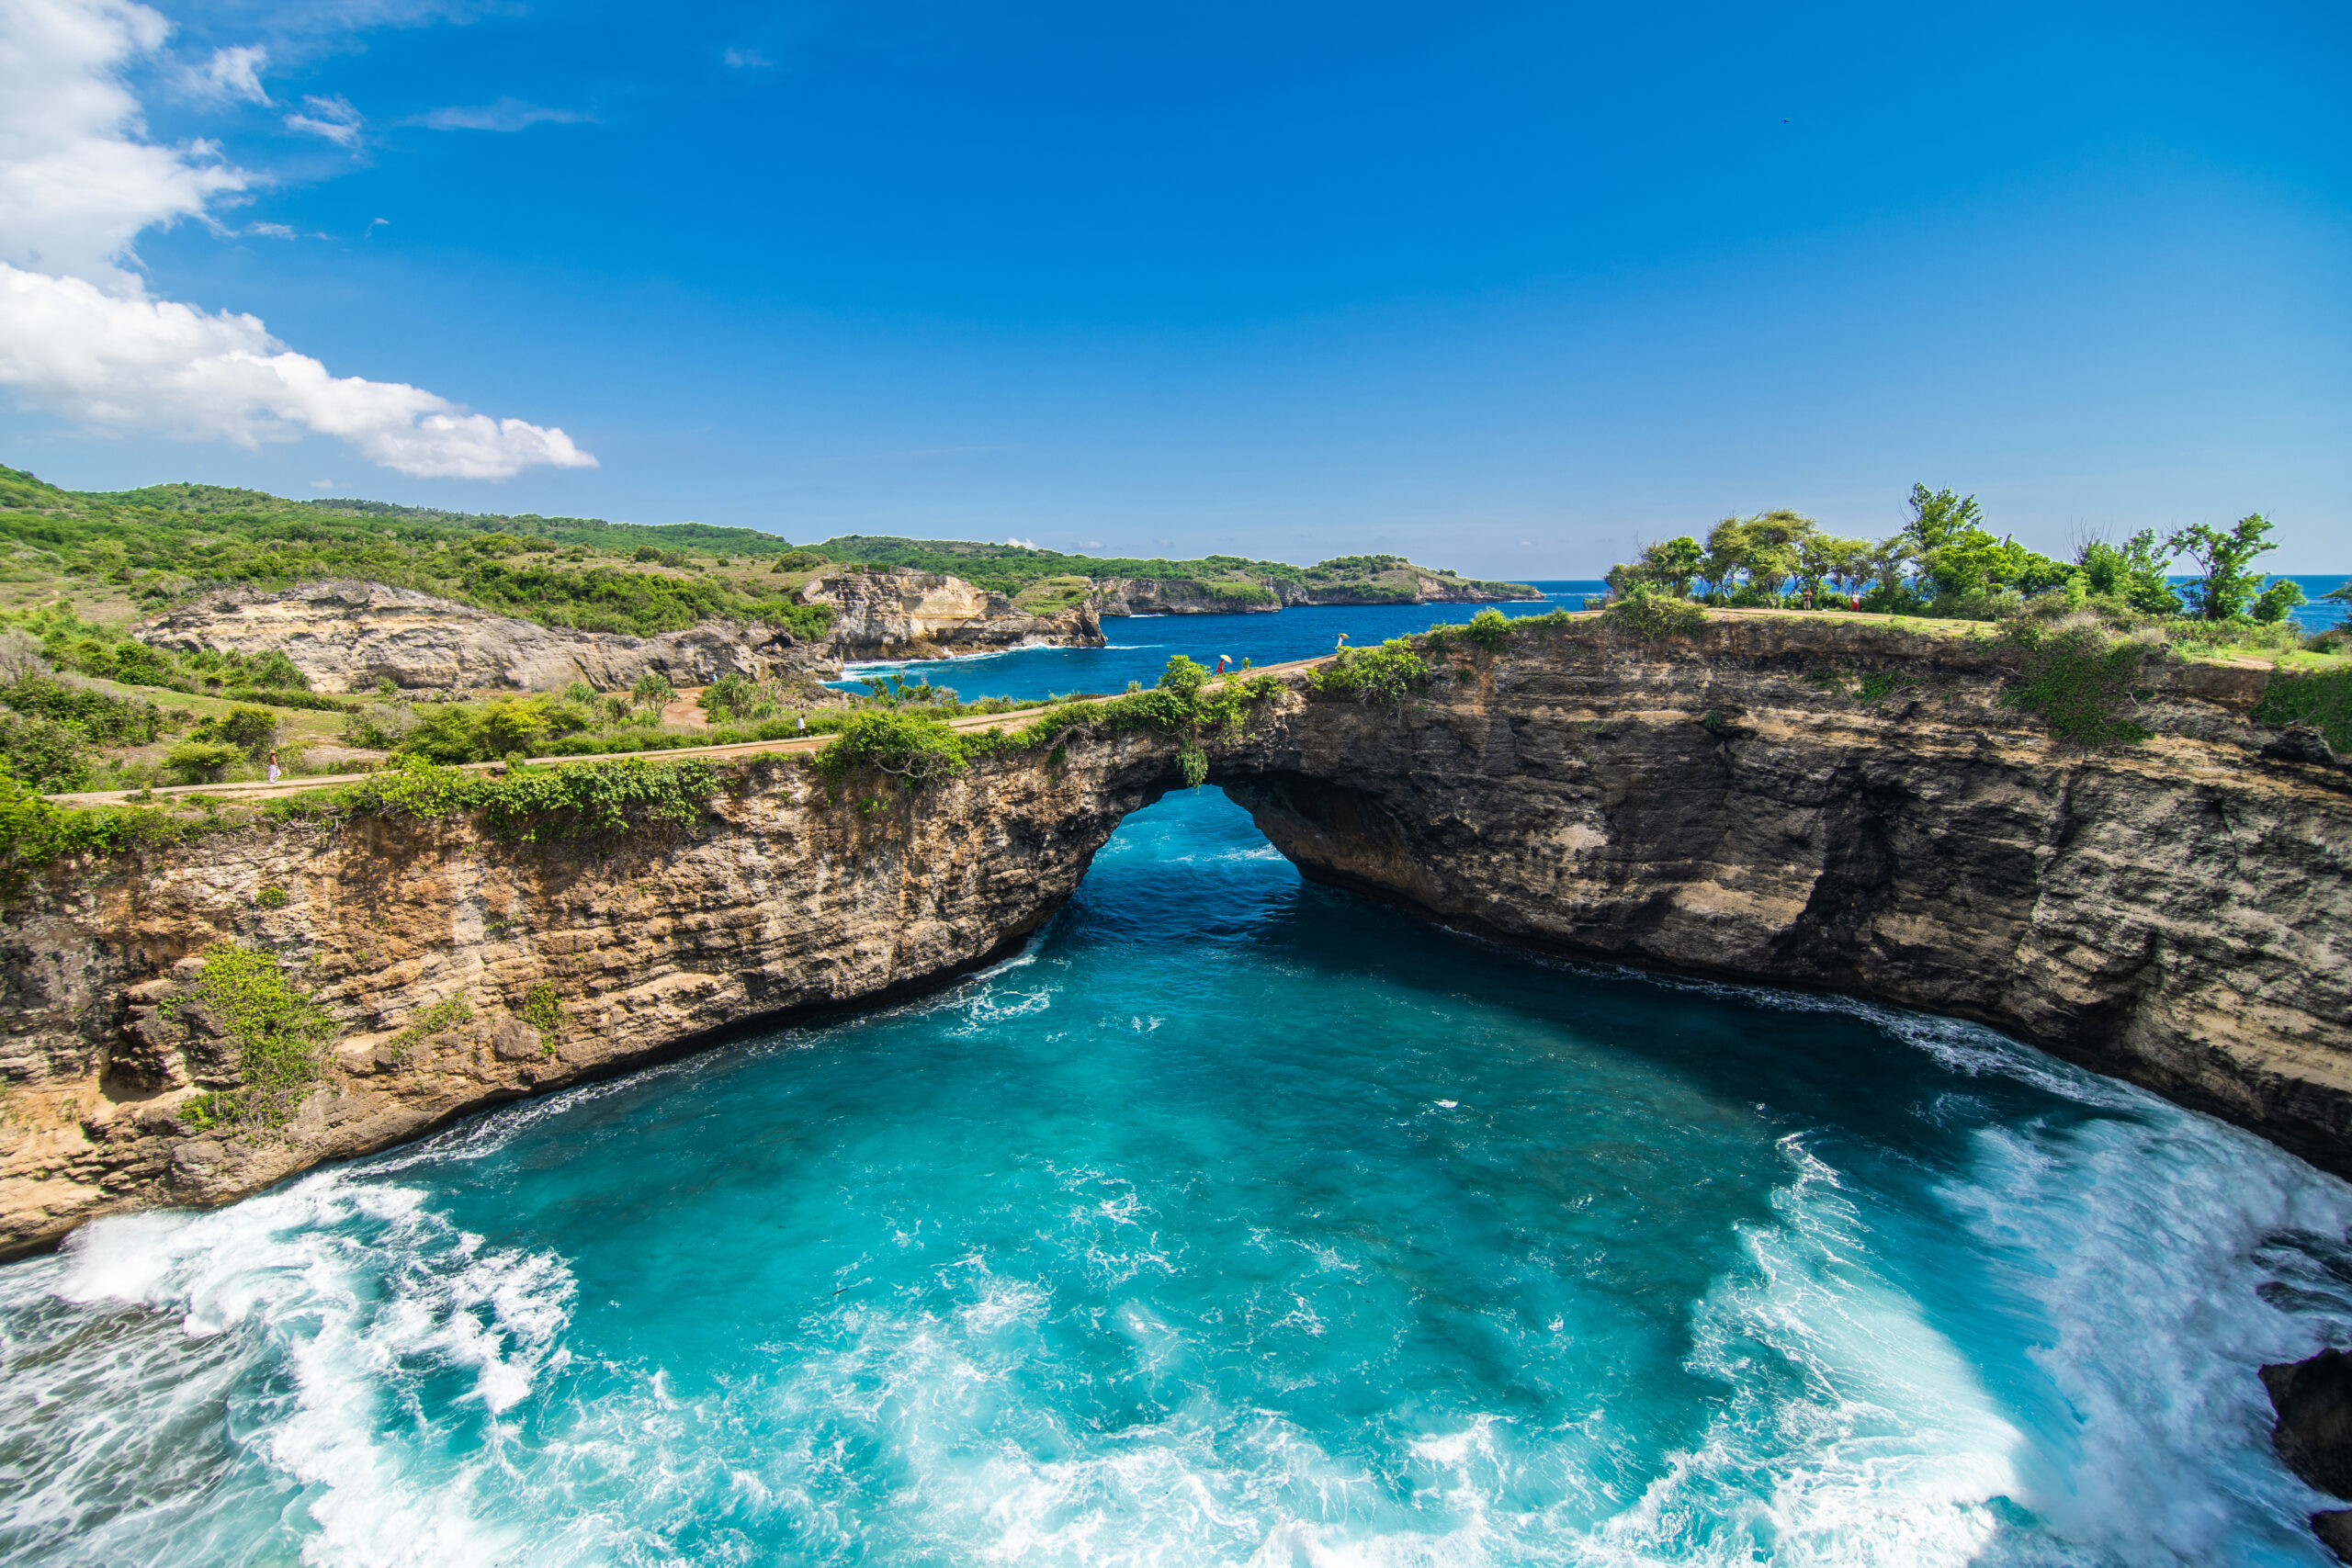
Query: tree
x: 2227, y: 584
x: 1763, y: 547
x: 2133, y: 571
x: 1669, y: 565
x: 1672, y: 565
x: 2283, y: 595
x: 1940, y: 517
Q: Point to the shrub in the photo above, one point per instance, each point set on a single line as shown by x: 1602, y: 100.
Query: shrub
x: 1654, y: 618
x: 1488, y: 628
x: 2077, y: 677
x: 116, y: 721
x: 1382, y: 676
x: 202, y: 762
x: 47, y: 757
x: 909, y: 746
x: 543, y: 1011
x: 423, y: 1026
x: 2323, y: 701
x: 250, y: 730
x: 280, y: 1033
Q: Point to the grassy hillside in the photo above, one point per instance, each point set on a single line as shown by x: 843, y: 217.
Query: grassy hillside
x: 119, y: 554
x: 136, y: 550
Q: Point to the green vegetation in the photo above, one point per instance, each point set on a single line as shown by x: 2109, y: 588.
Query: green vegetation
x: 531, y: 805
x: 1944, y: 563
x: 543, y: 1011
x: 1653, y: 616
x: 280, y: 1033
x: 2322, y: 700
x: 441, y: 1016
x: 2078, y: 677
x: 915, y: 747
x: 167, y: 542
x: 1231, y: 581
x: 1380, y: 677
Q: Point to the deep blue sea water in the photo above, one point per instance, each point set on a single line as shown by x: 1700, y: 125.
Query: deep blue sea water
x: 1141, y: 644
x: 1237, y: 1221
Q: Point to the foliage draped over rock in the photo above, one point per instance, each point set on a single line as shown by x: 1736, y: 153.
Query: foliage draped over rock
x: 280, y: 1033
x: 536, y: 805
x: 2323, y: 701
x: 2078, y: 677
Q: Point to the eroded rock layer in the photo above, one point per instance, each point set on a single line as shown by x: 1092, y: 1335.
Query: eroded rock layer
x: 348, y: 636
x: 1798, y: 801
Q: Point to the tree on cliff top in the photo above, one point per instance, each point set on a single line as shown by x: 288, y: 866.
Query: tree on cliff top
x: 2223, y: 556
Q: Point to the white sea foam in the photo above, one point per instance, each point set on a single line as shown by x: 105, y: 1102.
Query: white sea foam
x: 355, y: 1294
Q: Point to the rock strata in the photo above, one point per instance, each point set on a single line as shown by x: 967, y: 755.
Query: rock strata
x: 348, y: 636
x: 1811, y: 802
x: 904, y: 614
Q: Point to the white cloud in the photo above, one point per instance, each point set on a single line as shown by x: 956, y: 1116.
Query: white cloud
x: 506, y: 114
x: 76, y: 182
x: 105, y: 361
x: 743, y: 59
x: 1023, y: 544
x: 231, y: 74
x: 334, y: 118
x: 79, y: 334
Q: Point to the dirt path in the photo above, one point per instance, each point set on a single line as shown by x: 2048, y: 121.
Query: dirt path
x: 262, y: 790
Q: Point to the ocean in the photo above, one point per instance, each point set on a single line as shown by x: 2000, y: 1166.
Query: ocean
x: 1235, y: 1221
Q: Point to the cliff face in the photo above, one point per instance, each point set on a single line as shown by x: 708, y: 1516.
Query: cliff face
x: 921, y: 615
x: 780, y: 900
x: 2176, y: 912
x: 348, y: 636
x: 1813, y: 802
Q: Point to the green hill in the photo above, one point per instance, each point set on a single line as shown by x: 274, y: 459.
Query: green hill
x: 121, y: 553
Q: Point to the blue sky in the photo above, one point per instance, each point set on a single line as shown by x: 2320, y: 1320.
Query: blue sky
x: 1505, y: 288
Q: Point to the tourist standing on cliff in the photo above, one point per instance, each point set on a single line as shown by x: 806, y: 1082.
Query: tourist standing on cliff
x: 1341, y: 645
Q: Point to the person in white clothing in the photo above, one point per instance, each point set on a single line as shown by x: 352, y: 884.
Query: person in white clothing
x: 273, y: 767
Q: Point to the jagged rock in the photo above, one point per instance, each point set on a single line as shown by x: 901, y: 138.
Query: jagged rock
x: 2300, y: 743
x: 346, y: 636
x: 2313, y: 1435
x: 515, y: 1041
x: 2333, y: 1527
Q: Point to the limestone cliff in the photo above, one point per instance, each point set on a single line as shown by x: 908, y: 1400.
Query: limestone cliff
x: 905, y: 614
x: 348, y: 636
x: 2176, y: 912
x: 1814, y: 802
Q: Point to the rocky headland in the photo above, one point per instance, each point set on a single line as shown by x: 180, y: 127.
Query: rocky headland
x: 1808, y: 801
x: 905, y: 614
x: 349, y: 634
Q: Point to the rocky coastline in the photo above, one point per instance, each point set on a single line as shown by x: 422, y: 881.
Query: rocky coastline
x: 1734, y: 803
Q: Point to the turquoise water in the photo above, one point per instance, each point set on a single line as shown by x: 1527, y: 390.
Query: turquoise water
x: 1140, y: 645
x: 1235, y: 1222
